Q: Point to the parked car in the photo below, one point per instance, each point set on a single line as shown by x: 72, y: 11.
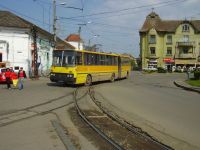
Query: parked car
x: 2, y: 75
x: 150, y: 68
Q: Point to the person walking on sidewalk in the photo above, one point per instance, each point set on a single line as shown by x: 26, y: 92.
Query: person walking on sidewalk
x: 21, y: 76
x: 8, y: 77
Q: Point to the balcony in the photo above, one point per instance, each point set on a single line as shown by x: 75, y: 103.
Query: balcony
x: 149, y: 55
x: 185, y: 56
x: 185, y: 43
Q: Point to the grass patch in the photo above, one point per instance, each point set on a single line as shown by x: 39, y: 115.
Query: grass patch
x: 194, y: 82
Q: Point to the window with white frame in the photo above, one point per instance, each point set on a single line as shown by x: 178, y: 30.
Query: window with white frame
x: 152, y: 39
x: 169, y: 51
x: 185, y: 28
x: 185, y: 38
x: 169, y: 39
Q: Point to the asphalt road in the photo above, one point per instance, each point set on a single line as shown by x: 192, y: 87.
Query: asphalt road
x: 150, y: 101
x: 35, y: 132
x: 154, y: 103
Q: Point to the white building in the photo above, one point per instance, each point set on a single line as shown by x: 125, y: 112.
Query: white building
x: 75, y: 40
x: 17, y: 44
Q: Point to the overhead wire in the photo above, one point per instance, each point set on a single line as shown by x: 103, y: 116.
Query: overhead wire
x: 21, y: 14
x: 125, y: 9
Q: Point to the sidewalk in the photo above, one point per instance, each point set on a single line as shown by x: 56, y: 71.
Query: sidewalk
x: 186, y: 86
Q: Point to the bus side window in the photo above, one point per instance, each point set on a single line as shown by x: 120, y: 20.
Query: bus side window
x: 93, y: 60
x: 116, y: 61
x: 85, y: 58
x: 109, y: 60
x: 79, y: 60
x: 102, y: 59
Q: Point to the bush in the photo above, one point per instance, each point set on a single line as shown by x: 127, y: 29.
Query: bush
x: 196, y: 75
x: 149, y: 71
x: 161, y: 70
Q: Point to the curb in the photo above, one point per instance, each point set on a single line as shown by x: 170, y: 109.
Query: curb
x: 186, y: 88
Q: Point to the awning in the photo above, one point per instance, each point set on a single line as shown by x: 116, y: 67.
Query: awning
x: 168, y: 60
x: 190, y: 62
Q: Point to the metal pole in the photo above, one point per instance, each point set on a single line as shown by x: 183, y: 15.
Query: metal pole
x: 79, y: 33
x: 54, y: 22
x: 35, y: 54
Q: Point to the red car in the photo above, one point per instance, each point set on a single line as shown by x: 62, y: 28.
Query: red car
x: 2, y: 75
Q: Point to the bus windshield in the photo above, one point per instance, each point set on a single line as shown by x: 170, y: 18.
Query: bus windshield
x: 63, y: 58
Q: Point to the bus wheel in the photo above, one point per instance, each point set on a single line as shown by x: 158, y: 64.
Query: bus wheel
x: 112, y: 78
x: 88, y: 80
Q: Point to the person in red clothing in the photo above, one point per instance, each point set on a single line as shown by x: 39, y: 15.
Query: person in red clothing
x: 21, y: 76
x: 8, y: 77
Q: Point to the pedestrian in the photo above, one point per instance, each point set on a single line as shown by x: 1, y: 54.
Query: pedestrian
x: 8, y: 77
x: 14, y: 78
x: 21, y: 76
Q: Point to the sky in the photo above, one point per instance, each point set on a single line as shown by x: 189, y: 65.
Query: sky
x: 111, y: 24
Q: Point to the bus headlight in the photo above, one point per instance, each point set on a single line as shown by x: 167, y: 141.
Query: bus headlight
x: 69, y: 75
x: 52, y: 74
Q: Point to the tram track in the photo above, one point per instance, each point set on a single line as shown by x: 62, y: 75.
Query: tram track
x: 82, y: 115
x: 105, y: 118
x: 34, y: 110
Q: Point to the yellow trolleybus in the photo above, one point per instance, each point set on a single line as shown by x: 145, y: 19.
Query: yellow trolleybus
x: 85, y: 67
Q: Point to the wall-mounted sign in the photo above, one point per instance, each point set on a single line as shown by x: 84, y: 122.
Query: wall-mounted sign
x: 168, y: 60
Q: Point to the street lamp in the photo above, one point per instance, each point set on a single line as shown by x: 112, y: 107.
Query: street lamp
x: 94, y: 36
x: 55, y: 18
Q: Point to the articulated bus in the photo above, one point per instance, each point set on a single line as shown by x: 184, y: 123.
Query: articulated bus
x: 85, y: 67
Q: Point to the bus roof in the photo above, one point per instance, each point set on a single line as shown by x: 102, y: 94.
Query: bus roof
x: 92, y: 52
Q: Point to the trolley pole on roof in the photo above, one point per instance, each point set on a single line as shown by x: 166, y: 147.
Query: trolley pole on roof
x: 54, y: 23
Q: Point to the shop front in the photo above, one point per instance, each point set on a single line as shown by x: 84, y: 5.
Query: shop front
x: 169, y: 63
x: 152, y: 63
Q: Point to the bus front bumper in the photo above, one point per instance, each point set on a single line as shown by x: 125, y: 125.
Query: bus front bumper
x: 62, y: 77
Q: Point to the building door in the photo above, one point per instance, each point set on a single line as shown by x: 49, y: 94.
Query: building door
x: 1, y: 57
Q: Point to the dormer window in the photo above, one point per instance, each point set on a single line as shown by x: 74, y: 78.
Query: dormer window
x: 185, y: 28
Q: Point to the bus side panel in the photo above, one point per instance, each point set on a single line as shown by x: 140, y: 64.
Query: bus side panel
x: 125, y: 70
x: 80, y: 78
x: 98, y: 73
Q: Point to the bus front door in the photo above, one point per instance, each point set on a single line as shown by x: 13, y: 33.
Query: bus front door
x: 119, y: 67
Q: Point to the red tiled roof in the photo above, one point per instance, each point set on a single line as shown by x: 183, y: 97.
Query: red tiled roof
x: 73, y: 38
x: 154, y: 21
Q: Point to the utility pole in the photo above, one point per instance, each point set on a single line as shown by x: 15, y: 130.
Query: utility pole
x: 35, y: 54
x: 79, y: 33
x: 54, y: 23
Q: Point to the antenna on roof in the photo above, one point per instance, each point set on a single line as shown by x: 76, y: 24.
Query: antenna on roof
x: 152, y: 9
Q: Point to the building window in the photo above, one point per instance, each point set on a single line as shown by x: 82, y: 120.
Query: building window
x: 186, y: 50
x: 169, y: 51
x: 185, y: 28
x: 152, y: 39
x: 47, y: 56
x: 169, y: 39
x: 152, y: 50
x: 185, y: 38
